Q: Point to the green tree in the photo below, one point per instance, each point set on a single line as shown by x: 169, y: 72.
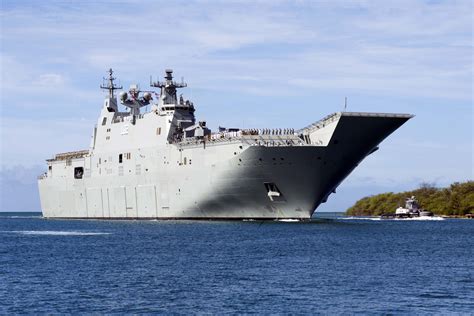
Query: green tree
x: 457, y: 199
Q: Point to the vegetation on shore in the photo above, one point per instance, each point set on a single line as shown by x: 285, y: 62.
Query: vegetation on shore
x: 457, y: 199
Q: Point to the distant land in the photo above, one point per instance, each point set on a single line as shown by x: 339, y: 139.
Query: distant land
x: 455, y: 200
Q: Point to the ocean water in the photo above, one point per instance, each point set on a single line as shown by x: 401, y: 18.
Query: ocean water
x: 329, y: 266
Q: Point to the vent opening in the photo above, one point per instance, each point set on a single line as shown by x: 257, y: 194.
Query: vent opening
x: 78, y: 172
x: 274, y: 194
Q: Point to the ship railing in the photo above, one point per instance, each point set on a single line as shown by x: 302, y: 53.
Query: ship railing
x: 321, y: 123
x: 273, y: 142
x: 70, y: 155
x: 374, y: 114
x: 254, y: 132
x: 251, y: 139
x: 335, y: 116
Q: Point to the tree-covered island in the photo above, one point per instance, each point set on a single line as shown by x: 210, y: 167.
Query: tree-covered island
x: 455, y: 200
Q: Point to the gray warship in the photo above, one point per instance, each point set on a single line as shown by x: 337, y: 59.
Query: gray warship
x: 156, y: 161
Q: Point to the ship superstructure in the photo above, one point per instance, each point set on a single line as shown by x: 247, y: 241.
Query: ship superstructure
x: 162, y: 163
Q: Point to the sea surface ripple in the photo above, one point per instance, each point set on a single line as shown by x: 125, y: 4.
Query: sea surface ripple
x: 324, y: 266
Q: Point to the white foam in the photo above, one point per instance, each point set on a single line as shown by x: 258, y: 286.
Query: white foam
x: 56, y: 233
x: 365, y: 218
x: 421, y: 218
x: 288, y: 220
x: 14, y: 216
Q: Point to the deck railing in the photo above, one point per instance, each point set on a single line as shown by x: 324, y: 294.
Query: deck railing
x: 252, y: 137
x: 70, y: 155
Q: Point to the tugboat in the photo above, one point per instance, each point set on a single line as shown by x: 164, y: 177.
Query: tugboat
x: 411, y: 209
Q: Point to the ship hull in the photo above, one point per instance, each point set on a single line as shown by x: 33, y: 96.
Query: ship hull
x: 233, y: 189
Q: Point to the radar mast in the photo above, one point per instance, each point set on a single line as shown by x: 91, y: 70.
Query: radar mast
x: 111, y: 86
x: 168, y: 87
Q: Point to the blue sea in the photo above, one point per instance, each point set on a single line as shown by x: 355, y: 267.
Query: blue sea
x: 333, y: 265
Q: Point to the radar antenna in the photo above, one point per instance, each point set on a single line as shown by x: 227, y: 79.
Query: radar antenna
x: 168, y: 87
x: 111, y: 86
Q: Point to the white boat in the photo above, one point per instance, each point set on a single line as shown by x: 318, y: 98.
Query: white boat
x: 412, y: 209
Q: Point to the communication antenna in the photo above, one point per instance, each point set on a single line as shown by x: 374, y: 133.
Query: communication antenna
x: 111, y: 86
x: 345, y: 104
x: 168, y: 87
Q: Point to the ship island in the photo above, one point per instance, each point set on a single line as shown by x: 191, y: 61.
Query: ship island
x: 153, y: 159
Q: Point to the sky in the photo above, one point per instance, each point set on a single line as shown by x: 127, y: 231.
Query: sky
x: 251, y: 64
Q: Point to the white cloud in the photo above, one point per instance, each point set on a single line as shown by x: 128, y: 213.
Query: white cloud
x: 27, y: 141
x: 381, y: 47
x: 49, y: 81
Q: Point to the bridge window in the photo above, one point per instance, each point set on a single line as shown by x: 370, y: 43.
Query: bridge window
x: 104, y: 120
x: 120, y: 158
x: 158, y: 131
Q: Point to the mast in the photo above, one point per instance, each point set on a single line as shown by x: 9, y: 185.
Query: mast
x: 111, y: 86
x: 168, y: 87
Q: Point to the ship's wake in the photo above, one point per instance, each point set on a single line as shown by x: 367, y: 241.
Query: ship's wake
x: 421, y: 218
x: 21, y: 217
x: 56, y: 233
